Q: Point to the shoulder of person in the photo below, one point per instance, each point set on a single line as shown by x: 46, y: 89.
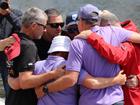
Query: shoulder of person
x: 17, y: 12
x: 39, y: 63
x: 27, y: 44
x: 78, y: 40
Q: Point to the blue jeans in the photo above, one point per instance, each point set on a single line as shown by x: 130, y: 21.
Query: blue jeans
x: 119, y: 103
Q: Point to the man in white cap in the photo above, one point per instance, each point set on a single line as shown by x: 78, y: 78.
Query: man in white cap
x: 58, y: 54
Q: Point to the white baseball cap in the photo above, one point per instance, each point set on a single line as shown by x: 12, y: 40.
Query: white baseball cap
x: 60, y: 44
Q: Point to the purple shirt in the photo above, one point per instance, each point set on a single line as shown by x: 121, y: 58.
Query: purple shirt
x: 83, y: 56
x: 66, y: 97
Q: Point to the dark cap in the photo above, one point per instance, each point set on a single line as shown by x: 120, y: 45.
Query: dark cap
x: 71, y: 18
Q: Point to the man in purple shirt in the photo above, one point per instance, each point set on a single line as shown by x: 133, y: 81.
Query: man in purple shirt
x: 58, y: 53
x: 82, y: 55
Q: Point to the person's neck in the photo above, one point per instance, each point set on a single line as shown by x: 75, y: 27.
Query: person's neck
x: 26, y: 31
x: 60, y: 54
x: 47, y: 37
x: 86, y: 28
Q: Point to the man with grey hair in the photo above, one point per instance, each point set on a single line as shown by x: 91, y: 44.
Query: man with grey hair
x: 22, y: 81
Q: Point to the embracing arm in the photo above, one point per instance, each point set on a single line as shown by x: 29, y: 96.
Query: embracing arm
x: 26, y: 77
x: 69, y: 79
x: 102, y: 82
x: 28, y: 80
x: 13, y: 83
x: 133, y: 81
x: 120, y: 55
x: 58, y: 72
x: 135, y: 37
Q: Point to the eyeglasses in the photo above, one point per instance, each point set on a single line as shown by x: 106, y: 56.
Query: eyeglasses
x: 44, y: 26
x: 56, y: 25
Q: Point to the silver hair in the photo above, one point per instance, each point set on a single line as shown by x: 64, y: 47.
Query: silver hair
x: 109, y: 17
x: 33, y: 14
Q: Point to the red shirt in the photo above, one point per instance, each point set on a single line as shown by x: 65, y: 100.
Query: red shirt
x: 128, y: 56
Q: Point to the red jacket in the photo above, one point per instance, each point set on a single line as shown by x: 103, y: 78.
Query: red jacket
x: 127, y: 55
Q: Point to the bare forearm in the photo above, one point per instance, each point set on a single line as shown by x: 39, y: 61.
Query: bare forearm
x: 32, y: 81
x: 64, y: 82
x: 13, y: 83
x: 98, y: 83
x: 135, y: 38
x: 59, y: 85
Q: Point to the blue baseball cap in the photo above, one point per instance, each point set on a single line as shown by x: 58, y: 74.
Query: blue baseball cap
x: 89, y: 12
x: 72, y: 18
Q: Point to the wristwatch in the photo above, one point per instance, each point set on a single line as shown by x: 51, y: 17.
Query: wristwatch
x: 45, y: 89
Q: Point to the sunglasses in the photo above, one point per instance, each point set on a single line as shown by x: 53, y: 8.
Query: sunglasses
x: 56, y: 25
x: 44, y: 26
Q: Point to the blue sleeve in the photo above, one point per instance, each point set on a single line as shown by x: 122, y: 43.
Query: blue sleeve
x: 74, y: 61
x: 35, y: 71
x: 124, y: 35
x: 15, y: 19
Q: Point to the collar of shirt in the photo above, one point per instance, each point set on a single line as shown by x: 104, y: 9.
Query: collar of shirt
x: 95, y: 28
x: 56, y: 58
x: 21, y: 35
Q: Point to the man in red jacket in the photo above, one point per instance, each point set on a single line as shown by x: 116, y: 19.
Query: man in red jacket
x: 127, y: 55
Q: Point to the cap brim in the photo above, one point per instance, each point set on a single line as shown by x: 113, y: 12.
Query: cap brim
x: 58, y: 49
x: 71, y: 23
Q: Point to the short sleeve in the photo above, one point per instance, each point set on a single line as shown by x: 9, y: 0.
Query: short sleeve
x: 124, y: 34
x: 74, y: 61
x: 38, y: 66
x: 26, y: 59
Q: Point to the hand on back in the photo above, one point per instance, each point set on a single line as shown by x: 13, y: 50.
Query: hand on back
x: 84, y: 34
